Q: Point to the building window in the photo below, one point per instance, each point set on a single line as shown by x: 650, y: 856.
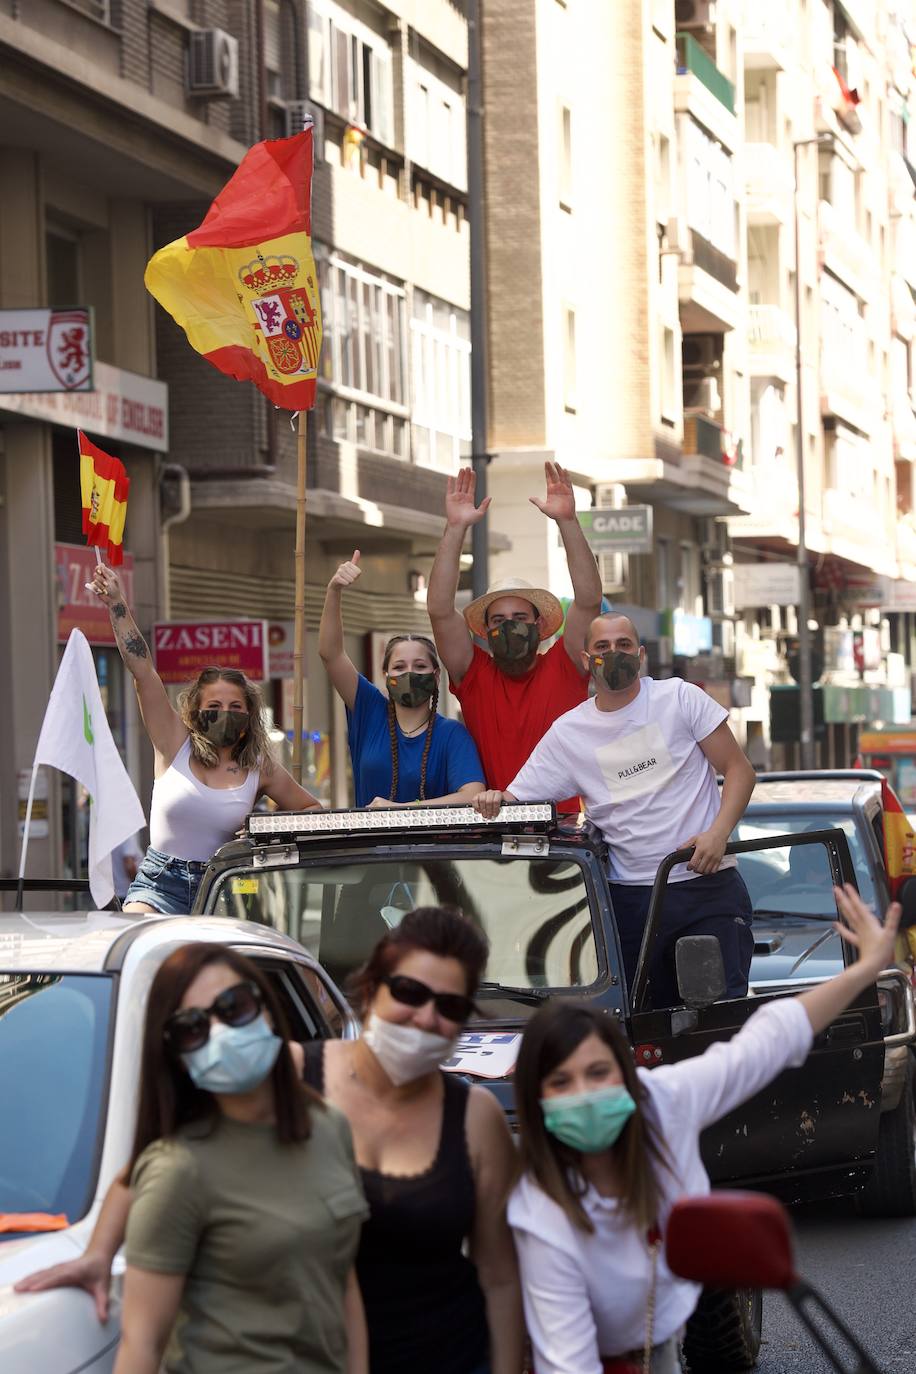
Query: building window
x: 62, y: 260
x: 565, y: 158
x: 669, y: 396
x: 436, y: 135
x: 440, y: 340
x: 711, y: 205
x: 362, y: 361
x: 569, y: 359
x: 350, y: 69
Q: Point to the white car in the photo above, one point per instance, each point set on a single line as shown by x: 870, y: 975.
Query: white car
x: 73, y: 992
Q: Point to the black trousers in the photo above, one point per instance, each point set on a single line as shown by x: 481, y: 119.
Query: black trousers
x: 717, y: 904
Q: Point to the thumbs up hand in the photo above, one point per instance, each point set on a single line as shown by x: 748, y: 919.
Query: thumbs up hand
x: 347, y: 573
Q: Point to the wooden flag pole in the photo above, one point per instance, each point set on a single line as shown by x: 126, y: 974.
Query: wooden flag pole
x: 299, y: 623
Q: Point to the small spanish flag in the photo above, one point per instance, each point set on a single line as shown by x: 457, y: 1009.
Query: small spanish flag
x: 243, y: 284
x: 104, y: 485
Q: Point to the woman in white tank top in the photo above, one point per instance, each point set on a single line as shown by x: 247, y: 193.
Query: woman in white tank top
x: 213, y: 762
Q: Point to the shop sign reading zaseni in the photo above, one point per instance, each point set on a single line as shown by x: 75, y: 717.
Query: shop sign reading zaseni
x: 182, y: 649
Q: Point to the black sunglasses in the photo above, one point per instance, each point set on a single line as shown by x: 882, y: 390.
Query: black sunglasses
x: 189, y: 1030
x: 412, y: 993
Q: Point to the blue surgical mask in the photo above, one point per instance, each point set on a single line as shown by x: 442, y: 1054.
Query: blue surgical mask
x: 590, y: 1121
x: 236, y: 1059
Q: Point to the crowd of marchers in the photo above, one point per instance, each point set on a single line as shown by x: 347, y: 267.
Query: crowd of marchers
x: 344, y: 1207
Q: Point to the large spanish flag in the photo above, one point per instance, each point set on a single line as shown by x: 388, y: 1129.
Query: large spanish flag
x: 243, y: 285
x: 104, y: 485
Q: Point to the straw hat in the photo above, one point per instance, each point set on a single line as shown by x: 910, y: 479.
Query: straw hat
x: 549, y: 608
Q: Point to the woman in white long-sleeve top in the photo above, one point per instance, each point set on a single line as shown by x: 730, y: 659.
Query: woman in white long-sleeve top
x: 606, y: 1149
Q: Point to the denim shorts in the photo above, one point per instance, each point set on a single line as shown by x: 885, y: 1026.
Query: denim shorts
x: 166, y: 883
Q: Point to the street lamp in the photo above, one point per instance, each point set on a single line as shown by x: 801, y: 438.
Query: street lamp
x: 805, y: 684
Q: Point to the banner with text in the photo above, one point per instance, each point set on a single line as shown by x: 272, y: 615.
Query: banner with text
x: 182, y: 649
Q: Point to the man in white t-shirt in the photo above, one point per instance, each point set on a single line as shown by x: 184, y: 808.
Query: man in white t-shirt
x: 644, y: 755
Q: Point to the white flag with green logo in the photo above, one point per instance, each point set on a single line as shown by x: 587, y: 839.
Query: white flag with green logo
x: 75, y: 737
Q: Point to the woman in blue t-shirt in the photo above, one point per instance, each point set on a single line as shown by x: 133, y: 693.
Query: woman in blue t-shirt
x: 403, y: 752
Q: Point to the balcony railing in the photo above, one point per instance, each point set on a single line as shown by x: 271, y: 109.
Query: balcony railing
x: 769, y: 328
x: 711, y: 440
x: 692, y: 58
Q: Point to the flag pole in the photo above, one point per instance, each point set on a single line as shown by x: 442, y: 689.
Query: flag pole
x: 299, y: 622
x: 23, y: 853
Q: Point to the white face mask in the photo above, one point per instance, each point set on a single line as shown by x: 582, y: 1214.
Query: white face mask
x: 405, y: 1052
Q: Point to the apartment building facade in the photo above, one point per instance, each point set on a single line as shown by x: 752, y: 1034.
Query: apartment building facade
x: 642, y: 216
x: 119, y: 122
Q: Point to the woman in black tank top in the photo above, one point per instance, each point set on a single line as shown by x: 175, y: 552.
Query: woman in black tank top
x: 436, y: 1263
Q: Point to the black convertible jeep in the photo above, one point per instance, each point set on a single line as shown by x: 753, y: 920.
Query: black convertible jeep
x: 538, y: 888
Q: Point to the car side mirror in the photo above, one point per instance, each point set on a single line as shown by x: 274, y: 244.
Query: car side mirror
x: 906, y: 896
x: 700, y: 970
x: 731, y: 1240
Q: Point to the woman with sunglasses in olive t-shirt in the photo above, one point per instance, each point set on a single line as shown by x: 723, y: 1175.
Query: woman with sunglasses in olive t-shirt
x: 435, y: 1156
x: 246, y: 1201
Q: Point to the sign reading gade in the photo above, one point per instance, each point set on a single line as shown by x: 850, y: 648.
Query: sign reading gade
x: 182, y: 649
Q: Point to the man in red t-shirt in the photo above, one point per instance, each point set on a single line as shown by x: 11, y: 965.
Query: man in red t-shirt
x: 511, y: 694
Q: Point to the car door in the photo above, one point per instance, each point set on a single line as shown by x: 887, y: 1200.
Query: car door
x: 813, y: 1121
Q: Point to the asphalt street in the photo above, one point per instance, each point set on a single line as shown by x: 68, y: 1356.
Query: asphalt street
x: 865, y: 1271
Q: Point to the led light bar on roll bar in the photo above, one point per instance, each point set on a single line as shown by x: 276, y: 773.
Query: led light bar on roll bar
x: 531, y: 815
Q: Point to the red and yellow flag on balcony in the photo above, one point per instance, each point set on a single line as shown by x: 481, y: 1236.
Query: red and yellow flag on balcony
x: 243, y: 286
x: 104, y: 485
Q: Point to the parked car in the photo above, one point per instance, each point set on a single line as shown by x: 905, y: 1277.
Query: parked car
x: 73, y: 990
x: 794, y: 941
x: 337, y: 880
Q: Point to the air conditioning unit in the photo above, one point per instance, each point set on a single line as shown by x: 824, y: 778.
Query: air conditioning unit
x: 613, y: 570
x: 701, y: 351
x: 702, y: 393
x: 694, y: 14
x: 610, y: 495
x: 213, y: 64
x: 298, y: 114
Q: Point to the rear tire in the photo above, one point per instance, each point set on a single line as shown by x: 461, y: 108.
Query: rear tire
x: 891, y: 1188
x: 724, y: 1334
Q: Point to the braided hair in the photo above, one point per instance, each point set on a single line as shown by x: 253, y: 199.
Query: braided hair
x: 392, y: 714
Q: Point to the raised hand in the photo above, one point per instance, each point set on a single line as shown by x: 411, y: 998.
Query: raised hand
x: 347, y: 573
x: 460, y: 509
x: 559, y: 502
x: 107, y: 586
x: 859, y: 926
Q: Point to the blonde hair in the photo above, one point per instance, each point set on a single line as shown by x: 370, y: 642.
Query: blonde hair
x: 253, y: 750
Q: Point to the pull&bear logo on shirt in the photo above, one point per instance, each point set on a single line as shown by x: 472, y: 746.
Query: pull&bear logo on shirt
x: 638, y: 763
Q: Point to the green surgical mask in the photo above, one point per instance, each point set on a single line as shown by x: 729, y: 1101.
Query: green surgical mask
x: 513, y: 641
x: 589, y: 1122
x: 618, y: 670
x: 411, y: 689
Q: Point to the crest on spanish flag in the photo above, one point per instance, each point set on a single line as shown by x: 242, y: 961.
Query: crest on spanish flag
x: 243, y: 285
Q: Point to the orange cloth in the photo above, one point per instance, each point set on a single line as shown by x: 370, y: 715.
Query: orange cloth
x: 32, y: 1221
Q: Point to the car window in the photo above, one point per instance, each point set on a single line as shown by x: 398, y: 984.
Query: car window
x: 53, y: 1069
x: 758, y: 870
x: 535, y: 911
x: 305, y: 1019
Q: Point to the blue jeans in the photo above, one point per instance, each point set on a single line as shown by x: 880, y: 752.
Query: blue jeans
x: 716, y: 904
x: 166, y: 883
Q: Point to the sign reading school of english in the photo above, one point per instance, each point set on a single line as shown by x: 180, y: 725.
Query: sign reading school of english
x: 181, y: 650
x: 115, y: 404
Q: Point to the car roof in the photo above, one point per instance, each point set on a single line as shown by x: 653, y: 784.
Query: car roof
x: 810, y: 791
x: 97, y: 941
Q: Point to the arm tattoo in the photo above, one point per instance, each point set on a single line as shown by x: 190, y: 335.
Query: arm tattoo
x: 119, y: 610
x: 136, y: 645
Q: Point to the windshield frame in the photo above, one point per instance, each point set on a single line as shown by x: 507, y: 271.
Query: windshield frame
x: 581, y: 855
x: 828, y: 817
x: 101, y: 1129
